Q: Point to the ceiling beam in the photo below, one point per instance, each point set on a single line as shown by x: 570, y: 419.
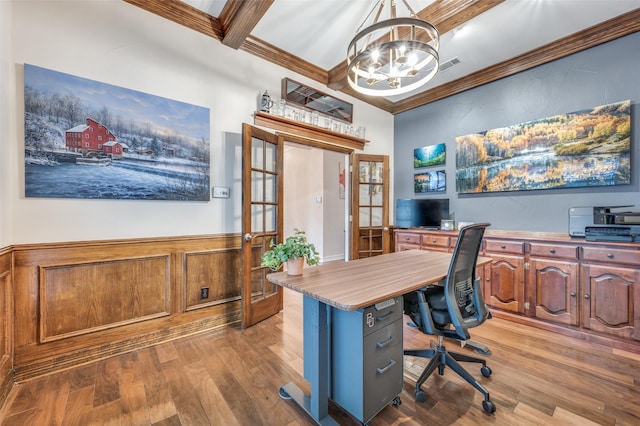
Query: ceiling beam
x: 183, y: 14
x: 444, y: 14
x: 239, y: 17
x: 612, y: 29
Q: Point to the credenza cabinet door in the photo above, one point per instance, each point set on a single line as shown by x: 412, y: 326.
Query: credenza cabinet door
x: 506, y: 283
x: 611, y: 300
x: 556, y: 290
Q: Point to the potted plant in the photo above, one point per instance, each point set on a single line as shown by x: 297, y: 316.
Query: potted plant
x: 294, y: 250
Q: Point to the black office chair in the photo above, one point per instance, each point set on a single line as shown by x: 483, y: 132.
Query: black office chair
x: 449, y: 311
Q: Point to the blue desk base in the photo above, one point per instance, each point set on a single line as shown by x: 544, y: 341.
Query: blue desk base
x: 291, y: 391
x: 317, y: 341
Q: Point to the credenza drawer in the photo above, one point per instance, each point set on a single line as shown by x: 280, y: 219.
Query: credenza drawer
x: 554, y: 250
x: 407, y: 238
x: 611, y: 255
x: 435, y: 240
x: 505, y: 246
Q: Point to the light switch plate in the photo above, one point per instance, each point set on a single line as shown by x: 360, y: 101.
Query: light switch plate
x: 220, y: 192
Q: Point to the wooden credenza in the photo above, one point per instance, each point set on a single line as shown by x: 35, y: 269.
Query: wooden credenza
x: 589, y: 290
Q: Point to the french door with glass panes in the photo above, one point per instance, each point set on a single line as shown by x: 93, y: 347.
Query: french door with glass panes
x: 370, y: 205
x: 262, y: 219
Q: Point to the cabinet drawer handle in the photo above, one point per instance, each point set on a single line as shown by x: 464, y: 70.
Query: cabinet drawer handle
x: 610, y: 255
x: 503, y: 247
x: 434, y: 241
x: 586, y: 296
x: 407, y: 238
x: 573, y: 294
x: 384, y: 370
x: 552, y: 251
x: 385, y: 343
x: 384, y: 317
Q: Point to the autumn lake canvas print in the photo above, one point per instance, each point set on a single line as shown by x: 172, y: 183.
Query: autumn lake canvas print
x: 87, y: 139
x: 585, y: 148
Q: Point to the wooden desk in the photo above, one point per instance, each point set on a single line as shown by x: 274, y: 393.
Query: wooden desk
x: 350, y: 286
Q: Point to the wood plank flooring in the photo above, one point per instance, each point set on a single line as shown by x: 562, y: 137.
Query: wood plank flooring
x: 231, y: 376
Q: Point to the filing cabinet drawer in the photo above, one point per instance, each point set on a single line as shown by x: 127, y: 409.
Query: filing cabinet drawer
x: 554, y: 250
x: 611, y: 255
x: 377, y: 316
x: 504, y: 246
x: 383, y: 367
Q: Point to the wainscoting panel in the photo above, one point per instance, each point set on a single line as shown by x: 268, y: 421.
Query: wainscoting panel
x: 77, y: 302
x: 83, y: 298
x: 216, y: 273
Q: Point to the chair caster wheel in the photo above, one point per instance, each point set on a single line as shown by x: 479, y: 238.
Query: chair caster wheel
x: 283, y: 393
x: 488, y: 406
x: 485, y: 370
x: 420, y: 396
x: 396, y: 401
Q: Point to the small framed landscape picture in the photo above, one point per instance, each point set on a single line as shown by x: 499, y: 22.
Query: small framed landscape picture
x: 432, y: 155
x: 435, y: 181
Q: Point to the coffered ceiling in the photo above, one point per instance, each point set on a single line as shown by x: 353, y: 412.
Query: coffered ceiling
x: 486, y: 39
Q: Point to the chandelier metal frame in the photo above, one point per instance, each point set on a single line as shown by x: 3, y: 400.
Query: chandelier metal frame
x: 391, y: 57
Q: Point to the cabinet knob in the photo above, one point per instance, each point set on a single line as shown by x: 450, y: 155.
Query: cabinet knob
x: 572, y: 294
x: 610, y: 255
x: 586, y: 297
x: 552, y: 251
x: 434, y: 241
x: 503, y: 247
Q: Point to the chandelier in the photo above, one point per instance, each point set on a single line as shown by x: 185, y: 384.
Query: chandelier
x: 392, y: 56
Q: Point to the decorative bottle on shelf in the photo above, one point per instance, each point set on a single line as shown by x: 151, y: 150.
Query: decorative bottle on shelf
x: 266, y: 103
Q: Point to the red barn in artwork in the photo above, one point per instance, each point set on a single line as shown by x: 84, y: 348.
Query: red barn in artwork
x: 114, y: 149
x: 89, y: 138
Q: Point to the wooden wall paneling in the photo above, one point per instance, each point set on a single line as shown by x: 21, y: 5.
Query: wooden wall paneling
x: 6, y: 326
x: 219, y: 271
x: 82, y: 301
x: 87, y: 297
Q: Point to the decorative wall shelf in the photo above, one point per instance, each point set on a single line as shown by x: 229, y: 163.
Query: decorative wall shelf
x: 307, y: 130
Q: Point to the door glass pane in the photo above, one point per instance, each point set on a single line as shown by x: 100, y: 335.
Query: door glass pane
x: 376, y: 195
x: 270, y: 157
x: 364, y: 194
x: 365, y: 172
x: 257, y: 217
x: 270, y: 188
x: 365, y: 217
x: 376, y: 216
x: 257, y: 186
x: 376, y: 172
x: 257, y: 153
x: 270, y: 218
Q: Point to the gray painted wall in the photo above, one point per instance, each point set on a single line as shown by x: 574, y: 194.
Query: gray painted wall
x: 604, y: 74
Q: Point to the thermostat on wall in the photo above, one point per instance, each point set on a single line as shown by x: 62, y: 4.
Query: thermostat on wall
x: 220, y: 192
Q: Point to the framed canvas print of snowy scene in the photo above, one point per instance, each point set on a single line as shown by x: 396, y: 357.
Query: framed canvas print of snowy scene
x: 86, y: 139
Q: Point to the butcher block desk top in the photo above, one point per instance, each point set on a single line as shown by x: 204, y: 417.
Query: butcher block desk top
x: 361, y: 283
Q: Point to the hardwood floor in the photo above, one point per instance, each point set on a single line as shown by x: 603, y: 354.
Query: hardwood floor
x: 231, y: 377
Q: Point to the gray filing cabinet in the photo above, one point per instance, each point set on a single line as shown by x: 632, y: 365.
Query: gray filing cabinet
x: 367, y: 354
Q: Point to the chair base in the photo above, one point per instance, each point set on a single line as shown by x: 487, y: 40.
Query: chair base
x: 441, y: 358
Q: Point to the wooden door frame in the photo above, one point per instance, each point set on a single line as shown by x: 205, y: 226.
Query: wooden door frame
x: 300, y: 140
